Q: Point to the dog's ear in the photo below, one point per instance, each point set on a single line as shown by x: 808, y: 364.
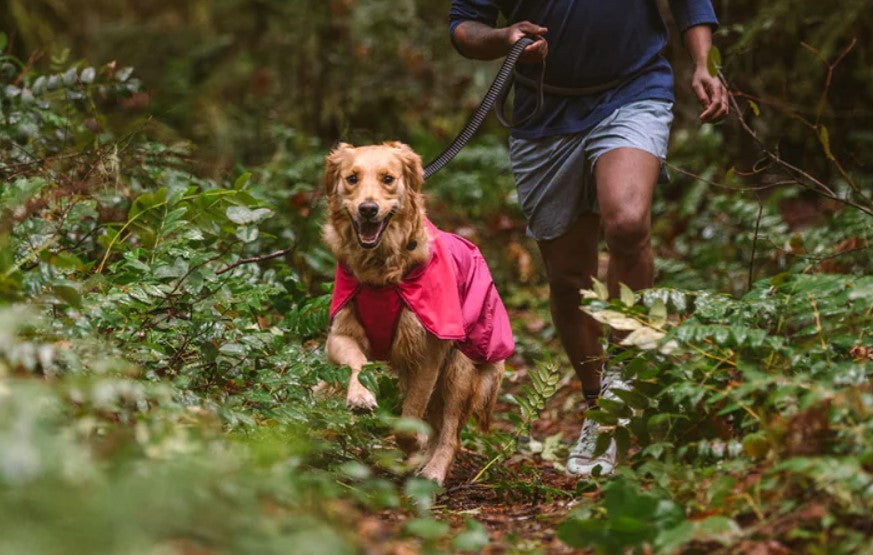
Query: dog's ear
x: 413, y: 173
x: 332, y: 163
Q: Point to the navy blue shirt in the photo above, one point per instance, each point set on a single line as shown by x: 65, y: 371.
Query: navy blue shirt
x: 591, y: 42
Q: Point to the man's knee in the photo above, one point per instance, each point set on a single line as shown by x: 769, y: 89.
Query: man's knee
x: 565, y: 284
x: 627, y: 232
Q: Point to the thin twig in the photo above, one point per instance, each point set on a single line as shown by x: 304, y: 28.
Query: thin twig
x: 240, y: 262
x: 804, y: 178
x: 693, y: 175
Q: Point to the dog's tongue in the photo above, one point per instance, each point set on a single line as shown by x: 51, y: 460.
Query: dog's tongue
x: 370, y: 231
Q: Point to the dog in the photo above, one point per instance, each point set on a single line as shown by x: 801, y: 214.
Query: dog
x: 412, y: 295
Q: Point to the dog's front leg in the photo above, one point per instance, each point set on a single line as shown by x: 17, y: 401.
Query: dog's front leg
x: 344, y: 348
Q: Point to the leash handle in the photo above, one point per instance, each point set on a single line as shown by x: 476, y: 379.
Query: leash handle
x: 496, y: 92
x: 539, y: 89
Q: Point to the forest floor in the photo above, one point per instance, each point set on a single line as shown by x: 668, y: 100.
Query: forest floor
x: 519, y: 517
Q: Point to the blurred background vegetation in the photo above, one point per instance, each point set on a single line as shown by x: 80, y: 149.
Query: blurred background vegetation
x: 229, y: 74
x: 160, y: 392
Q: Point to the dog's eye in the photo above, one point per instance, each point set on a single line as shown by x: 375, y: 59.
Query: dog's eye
x: 352, y: 179
x: 388, y: 180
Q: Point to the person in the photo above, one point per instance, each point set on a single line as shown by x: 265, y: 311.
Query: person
x: 592, y: 156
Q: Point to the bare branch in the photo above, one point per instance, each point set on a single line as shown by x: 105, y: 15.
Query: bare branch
x: 240, y: 262
x: 803, y: 178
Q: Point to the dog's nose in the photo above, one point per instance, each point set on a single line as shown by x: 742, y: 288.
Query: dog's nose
x: 368, y: 209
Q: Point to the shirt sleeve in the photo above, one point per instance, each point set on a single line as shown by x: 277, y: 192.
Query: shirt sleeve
x: 483, y: 11
x: 689, y: 13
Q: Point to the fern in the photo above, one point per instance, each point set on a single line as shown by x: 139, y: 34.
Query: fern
x: 544, y: 378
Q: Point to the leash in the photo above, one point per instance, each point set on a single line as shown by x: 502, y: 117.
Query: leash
x: 494, y: 98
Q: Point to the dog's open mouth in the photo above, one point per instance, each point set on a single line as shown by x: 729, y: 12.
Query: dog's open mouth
x: 370, y: 232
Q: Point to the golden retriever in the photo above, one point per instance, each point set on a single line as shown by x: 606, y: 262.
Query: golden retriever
x: 377, y: 229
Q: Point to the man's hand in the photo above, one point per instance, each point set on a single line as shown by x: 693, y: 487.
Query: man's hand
x: 709, y: 90
x: 533, y: 53
x: 483, y: 42
x: 712, y: 95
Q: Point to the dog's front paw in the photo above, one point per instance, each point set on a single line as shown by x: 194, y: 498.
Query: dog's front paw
x: 361, y: 399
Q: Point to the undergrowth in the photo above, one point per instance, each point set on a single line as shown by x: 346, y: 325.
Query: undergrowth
x: 162, y: 376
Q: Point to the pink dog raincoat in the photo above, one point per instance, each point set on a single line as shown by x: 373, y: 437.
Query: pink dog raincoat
x: 452, y: 295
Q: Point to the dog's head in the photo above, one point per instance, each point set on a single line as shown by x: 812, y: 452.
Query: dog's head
x: 373, y: 189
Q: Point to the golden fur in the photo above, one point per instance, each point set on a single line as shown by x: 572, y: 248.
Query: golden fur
x: 440, y: 384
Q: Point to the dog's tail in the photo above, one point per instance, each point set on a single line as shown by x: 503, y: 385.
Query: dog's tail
x: 485, y: 387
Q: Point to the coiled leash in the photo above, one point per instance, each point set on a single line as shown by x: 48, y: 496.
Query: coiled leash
x: 495, y: 97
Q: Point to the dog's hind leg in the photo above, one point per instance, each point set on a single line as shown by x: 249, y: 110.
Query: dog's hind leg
x: 448, y: 414
x: 485, y: 388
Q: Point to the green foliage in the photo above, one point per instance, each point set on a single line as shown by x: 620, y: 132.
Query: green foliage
x: 157, y: 370
x: 774, y: 383
x: 160, y: 366
x: 544, y: 378
x: 224, y: 73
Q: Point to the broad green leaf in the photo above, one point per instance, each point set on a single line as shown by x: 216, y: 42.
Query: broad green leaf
x: 864, y: 291
x: 718, y: 528
x: 824, y: 138
x: 622, y: 440
x: 473, y: 539
x: 243, y: 215
x: 233, y: 349
x: 713, y: 61
x: 627, y: 295
x: 68, y: 291
x: 600, y: 288
x: 3, y: 41
x: 175, y: 270
x: 67, y: 261
x: 70, y: 77
x: 756, y: 445
x: 643, y: 338
x: 754, y: 106
x: 410, y: 425
x: 88, y: 75
x: 721, y: 335
x: 615, y: 407
x: 632, y: 398
x: 355, y: 470
x: 602, y: 417
x: 422, y: 492
x: 247, y: 234
x: 679, y: 300
x: 670, y: 540
x: 720, y: 487
x: 242, y: 180
x: 615, y: 320
x: 581, y: 532
x: 602, y: 444
x: 123, y: 74
x: 658, y: 313
x: 426, y: 528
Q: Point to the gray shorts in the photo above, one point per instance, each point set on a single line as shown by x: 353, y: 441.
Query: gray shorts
x: 554, y: 176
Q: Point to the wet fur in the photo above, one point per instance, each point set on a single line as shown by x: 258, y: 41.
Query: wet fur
x: 439, y: 384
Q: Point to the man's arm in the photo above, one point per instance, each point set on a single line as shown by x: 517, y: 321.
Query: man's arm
x: 483, y: 42
x: 709, y: 90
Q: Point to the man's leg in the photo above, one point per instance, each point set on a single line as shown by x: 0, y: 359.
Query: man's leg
x: 626, y: 179
x: 571, y: 261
